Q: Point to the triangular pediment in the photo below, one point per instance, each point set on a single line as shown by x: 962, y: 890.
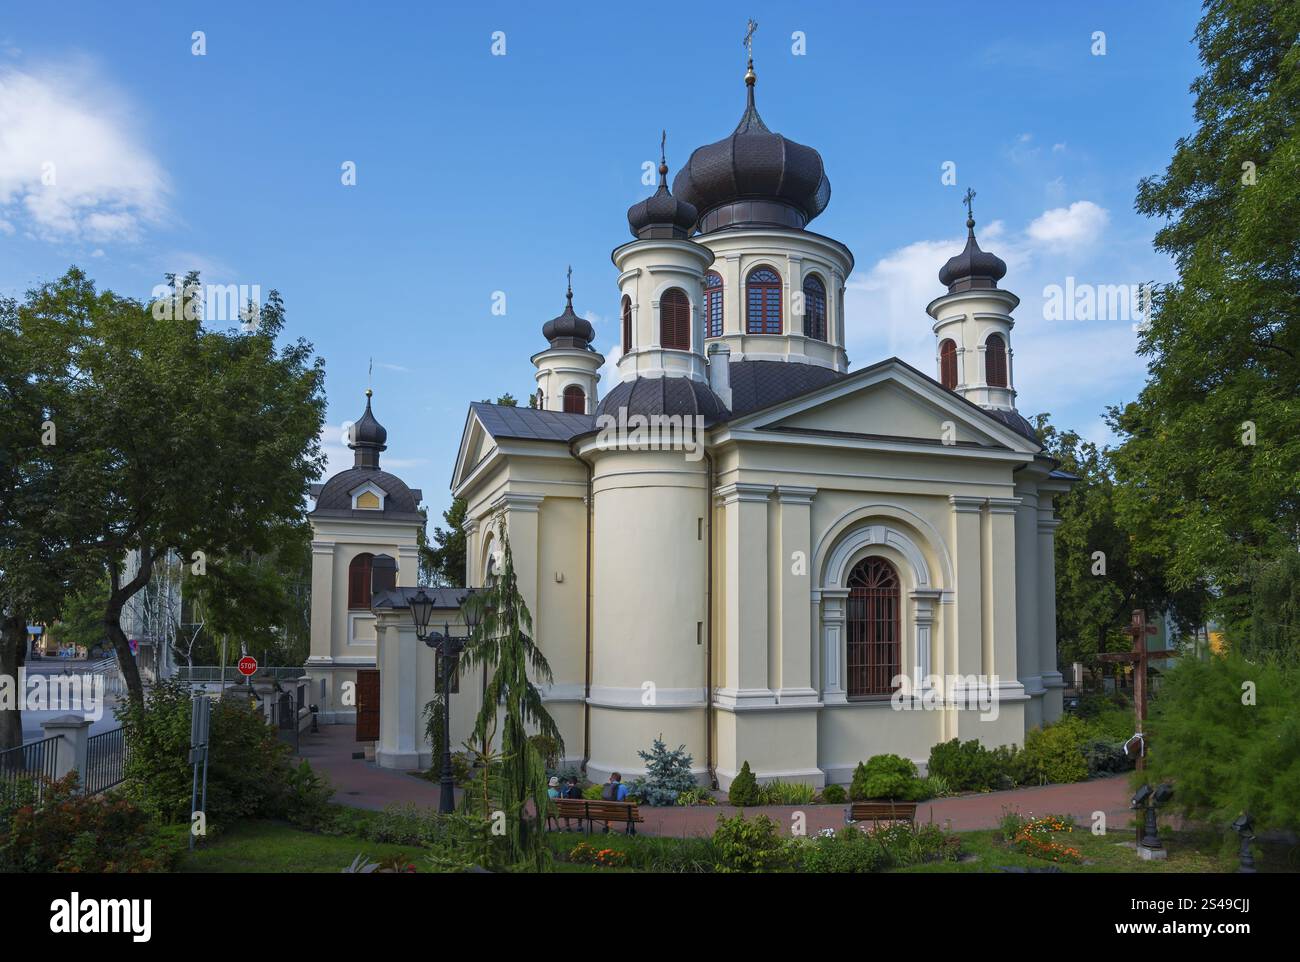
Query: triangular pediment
x: 889, y: 400
x: 476, y: 443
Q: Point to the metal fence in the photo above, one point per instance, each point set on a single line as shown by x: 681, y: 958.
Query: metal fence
x: 25, y: 771
x: 106, y: 756
x: 212, y: 674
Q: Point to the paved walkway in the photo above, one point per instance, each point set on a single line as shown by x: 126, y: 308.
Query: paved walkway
x: 362, y: 784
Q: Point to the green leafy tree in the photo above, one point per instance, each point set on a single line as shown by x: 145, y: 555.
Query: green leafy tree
x: 442, y: 563
x: 1104, y: 570
x: 503, y: 647
x: 172, y: 436
x: 1210, y: 455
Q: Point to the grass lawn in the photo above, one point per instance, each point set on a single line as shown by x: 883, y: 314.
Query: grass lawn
x: 277, y: 847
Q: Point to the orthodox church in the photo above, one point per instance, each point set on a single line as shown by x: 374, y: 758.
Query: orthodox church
x: 804, y: 567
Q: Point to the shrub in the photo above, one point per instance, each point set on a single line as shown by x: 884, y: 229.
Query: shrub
x: 248, y: 766
x: 906, y: 843
x: 834, y: 795
x: 1055, y: 753
x: 744, y: 789
x: 750, y: 846
x: 696, y: 796
x: 966, y: 766
x: 848, y: 851
x: 787, y: 793
x: 668, y: 774
x: 1105, y: 758
x: 1229, y: 754
x: 886, y: 776
x: 592, y: 792
x: 72, y: 832
x: 548, y: 747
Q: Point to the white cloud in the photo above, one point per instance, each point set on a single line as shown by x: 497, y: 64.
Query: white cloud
x: 72, y: 164
x: 1075, y: 226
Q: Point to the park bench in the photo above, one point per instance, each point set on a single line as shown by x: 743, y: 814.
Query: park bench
x: 880, y: 812
x: 590, y: 811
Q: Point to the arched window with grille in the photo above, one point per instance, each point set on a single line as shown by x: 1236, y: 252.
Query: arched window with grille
x: 814, y: 308
x: 763, y: 301
x: 995, y: 361
x: 948, y: 363
x: 359, y: 582
x: 575, y: 400
x: 713, y: 304
x: 675, y: 320
x: 873, y: 628
x: 627, y: 323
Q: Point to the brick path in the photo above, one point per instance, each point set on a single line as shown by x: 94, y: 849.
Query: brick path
x: 361, y: 784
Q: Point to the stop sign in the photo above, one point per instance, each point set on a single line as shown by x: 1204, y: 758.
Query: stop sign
x: 247, y: 665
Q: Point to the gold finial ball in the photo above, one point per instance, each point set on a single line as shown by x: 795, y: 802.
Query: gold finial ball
x: 663, y: 168
x: 749, y: 74
x: 369, y: 392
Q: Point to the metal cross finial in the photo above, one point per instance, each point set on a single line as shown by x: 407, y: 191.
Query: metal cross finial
x: 967, y: 199
x: 749, y: 37
x: 370, y: 378
x: 570, y: 277
x: 663, y: 141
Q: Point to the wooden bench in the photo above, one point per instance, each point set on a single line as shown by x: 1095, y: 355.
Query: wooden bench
x: 880, y: 812
x: 590, y: 811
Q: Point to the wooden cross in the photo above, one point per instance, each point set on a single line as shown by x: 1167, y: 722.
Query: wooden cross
x: 1139, y: 657
x: 749, y: 37
x: 970, y: 196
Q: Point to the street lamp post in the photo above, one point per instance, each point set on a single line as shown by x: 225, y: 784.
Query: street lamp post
x: 448, y: 648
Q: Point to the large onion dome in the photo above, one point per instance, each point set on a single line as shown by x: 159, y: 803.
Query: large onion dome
x: 754, y: 177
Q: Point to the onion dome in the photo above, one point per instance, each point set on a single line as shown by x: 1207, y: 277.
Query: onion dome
x: 367, y: 438
x: 661, y: 215
x: 669, y: 396
x: 972, y: 269
x: 754, y: 177
x: 569, y: 330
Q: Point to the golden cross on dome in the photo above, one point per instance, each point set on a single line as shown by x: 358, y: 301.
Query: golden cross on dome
x: 749, y: 37
x: 970, y: 196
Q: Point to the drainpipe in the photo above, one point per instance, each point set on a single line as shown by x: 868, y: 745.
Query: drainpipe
x: 708, y: 625
x: 586, y: 691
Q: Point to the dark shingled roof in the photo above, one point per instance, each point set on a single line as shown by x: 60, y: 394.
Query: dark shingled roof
x: 1015, y: 421
x: 400, y: 502
x: 664, y: 395
x: 972, y: 269
x: 531, y: 424
x: 443, y: 598
x: 757, y: 384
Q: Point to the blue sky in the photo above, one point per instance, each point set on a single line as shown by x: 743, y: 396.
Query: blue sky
x: 478, y: 173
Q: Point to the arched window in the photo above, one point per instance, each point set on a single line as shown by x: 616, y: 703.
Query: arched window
x: 763, y: 301
x: 948, y: 363
x: 359, y: 583
x: 995, y: 361
x: 675, y: 320
x: 873, y: 629
x: 627, y: 323
x: 713, y: 304
x: 814, y: 308
x: 575, y: 400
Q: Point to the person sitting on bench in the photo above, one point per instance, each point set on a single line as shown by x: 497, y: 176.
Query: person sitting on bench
x: 614, y: 791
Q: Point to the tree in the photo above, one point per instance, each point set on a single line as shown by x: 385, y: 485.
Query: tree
x: 1104, y: 569
x: 443, y: 563
x: 1209, y: 456
x: 503, y: 646
x: 174, y: 437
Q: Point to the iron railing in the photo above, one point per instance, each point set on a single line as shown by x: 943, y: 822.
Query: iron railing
x: 26, y: 771
x: 106, y: 755
x: 211, y: 674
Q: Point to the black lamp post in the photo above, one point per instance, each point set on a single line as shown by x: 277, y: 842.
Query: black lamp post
x: 448, y: 649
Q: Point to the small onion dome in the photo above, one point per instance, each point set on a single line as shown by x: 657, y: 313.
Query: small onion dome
x: 972, y: 269
x: 754, y: 177
x: 669, y: 396
x: 569, y: 330
x: 368, y: 438
x: 661, y: 215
